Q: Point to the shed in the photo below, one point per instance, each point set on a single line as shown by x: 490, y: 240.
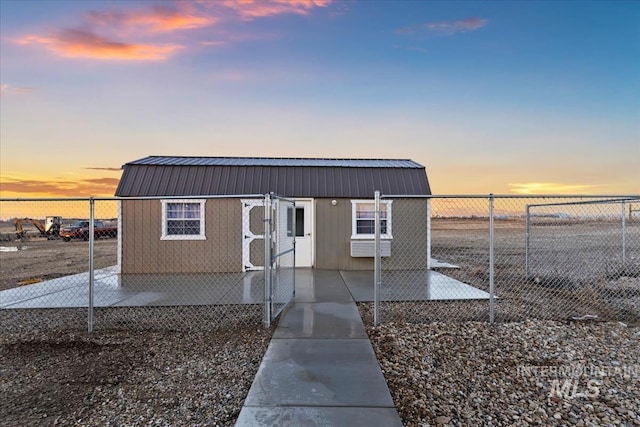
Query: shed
x: 334, y: 211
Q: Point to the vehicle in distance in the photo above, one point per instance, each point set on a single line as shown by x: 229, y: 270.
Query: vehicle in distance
x: 50, y: 229
x: 80, y: 230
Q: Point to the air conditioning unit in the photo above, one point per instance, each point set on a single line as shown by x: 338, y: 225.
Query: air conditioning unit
x: 367, y: 249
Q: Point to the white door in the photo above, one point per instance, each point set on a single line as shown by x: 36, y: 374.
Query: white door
x: 304, y: 233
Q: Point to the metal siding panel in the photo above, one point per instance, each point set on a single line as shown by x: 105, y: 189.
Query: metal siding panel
x: 385, y: 181
x: 301, y: 181
x: 286, y: 180
x: 362, y: 187
x: 199, y: 180
x: 320, y: 182
x: 174, y: 180
x: 233, y: 180
x: 150, y: 182
x: 185, y: 181
x: 334, y: 178
x: 285, y: 185
x: 247, y: 179
x: 188, y: 181
x: 163, y: 181
x: 139, y: 181
x: 335, y: 181
x: 261, y: 184
x: 304, y: 179
x: 311, y: 183
x: 374, y: 181
x: 224, y: 179
x: 216, y: 180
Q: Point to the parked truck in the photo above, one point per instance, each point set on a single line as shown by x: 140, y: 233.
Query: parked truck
x: 80, y: 230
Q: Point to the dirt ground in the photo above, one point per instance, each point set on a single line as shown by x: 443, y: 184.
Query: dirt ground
x: 38, y: 259
x: 119, y: 378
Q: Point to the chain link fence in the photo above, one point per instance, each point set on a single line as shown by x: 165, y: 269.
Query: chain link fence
x: 500, y: 258
x: 143, y: 263
x: 181, y: 263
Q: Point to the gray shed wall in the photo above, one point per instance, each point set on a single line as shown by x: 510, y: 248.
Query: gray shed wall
x: 143, y: 251
x: 333, y: 236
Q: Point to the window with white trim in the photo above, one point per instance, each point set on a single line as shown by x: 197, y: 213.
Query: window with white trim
x: 363, y: 219
x: 183, y: 219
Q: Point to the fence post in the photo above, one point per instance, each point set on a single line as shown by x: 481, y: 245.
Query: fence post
x: 91, y: 263
x: 429, y: 234
x: 624, y: 235
x: 491, y: 263
x: 267, y: 260
x: 526, y: 245
x: 376, y: 261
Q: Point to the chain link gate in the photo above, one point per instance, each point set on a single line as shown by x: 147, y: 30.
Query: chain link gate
x: 279, y: 255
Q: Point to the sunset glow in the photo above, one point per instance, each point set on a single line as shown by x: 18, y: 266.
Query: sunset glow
x: 554, y: 188
x: 523, y: 98
x: 11, y: 187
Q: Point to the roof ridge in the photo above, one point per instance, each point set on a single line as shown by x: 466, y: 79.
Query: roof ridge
x: 276, y: 158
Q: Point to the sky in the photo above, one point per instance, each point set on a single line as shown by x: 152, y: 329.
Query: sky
x: 491, y: 97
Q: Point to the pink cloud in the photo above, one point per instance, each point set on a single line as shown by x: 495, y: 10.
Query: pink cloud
x: 7, y: 88
x: 250, y: 9
x: 155, y: 19
x: 77, y: 43
x: 446, y: 27
x: 100, y: 34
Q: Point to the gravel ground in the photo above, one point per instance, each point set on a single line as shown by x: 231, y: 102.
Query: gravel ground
x: 116, y: 378
x: 525, y: 373
x: 583, y: 373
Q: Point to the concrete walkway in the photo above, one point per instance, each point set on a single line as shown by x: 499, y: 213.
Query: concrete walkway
x: 320, y: 368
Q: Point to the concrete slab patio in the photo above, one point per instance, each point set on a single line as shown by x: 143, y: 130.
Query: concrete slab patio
x: 112, y: 289
x: 410, y: 285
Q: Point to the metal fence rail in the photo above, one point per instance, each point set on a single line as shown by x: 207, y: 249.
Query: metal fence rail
x: 148, y: 262
x: 501, y: 258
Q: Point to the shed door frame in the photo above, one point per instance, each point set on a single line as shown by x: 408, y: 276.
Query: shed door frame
x: 247, y: 234
x: 305, y: 245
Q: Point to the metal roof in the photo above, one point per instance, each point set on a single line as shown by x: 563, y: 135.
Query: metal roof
x: 204, y: 176
x: 275, y: 161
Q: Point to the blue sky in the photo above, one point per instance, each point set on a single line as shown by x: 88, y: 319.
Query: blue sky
x: 502, y: 97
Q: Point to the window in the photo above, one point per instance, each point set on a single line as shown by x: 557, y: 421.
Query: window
x: 363, y: 219
x: 183, y: 220
x: 299, y: 212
